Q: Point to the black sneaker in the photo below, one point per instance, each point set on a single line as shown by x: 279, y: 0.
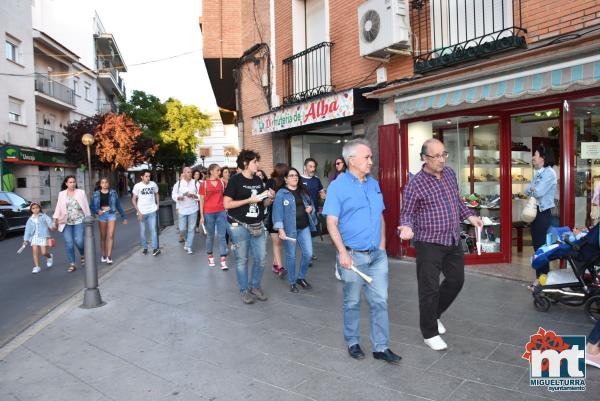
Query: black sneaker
x: 294, y: 288
x: 156, y: 252
x: 387, y: 356
x: 144, y: 251
x: 303, y: 283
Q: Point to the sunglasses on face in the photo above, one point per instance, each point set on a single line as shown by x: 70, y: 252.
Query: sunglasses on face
x: 339, y: 163
x: 292, y: 176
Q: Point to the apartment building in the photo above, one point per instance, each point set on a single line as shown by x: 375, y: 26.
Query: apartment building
x: 48, y: 85
x: 492, y: 79
x: 220, y: 145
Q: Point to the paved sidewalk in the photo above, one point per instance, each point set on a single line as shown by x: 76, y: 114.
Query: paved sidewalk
x: 175, y: 329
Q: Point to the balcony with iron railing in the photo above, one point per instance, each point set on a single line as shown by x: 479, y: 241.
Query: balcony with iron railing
x: 50, y: 139
x: 452, y: 32
x: 107, y: 70
x: 53, y: 89
x: 307, y: 74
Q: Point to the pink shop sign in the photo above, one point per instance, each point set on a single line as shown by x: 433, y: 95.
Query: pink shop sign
x: 326, y: 108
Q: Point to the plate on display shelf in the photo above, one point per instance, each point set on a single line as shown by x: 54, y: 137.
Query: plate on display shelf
x: 485, y: 220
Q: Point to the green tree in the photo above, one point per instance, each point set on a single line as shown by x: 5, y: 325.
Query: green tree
x: 183, y: 123
x: 147, y: 111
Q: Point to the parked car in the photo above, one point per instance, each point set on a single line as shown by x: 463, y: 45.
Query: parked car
x: 14, y: 212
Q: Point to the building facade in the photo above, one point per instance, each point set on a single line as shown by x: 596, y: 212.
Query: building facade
x: 52, y: 84
x: 219, y: 146
x: 492, y: 79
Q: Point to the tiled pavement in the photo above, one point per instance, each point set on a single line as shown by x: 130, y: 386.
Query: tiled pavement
x: 174, y: 329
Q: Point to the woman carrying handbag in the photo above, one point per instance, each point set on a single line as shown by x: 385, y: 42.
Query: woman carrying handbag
x: 543, y: 189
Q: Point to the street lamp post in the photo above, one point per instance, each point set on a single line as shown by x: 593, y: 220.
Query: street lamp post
x: 91, y: 295
x: 88, y: 141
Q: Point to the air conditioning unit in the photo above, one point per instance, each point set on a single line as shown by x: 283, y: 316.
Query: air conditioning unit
x: 384, y: 28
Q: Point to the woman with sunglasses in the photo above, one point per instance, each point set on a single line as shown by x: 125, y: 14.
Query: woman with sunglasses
x: 339, y: 168
x: 106, y: 205
x: 294, y: 217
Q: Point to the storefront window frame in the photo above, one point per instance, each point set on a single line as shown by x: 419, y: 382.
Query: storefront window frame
x: 504, y: 113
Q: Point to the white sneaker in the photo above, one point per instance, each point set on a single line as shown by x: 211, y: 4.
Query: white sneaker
x: 436, y: 343
x: 36, y: 270
x: 337, y: 274
x: 211, y: 261
x: 108, y: 261
x: 224, y: 263
x: 189, y: 251
x: 103, y: 259
x: 441, y: 328
x: 49, y: 260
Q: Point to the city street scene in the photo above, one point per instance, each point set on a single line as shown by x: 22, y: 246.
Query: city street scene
x: 300, y: 200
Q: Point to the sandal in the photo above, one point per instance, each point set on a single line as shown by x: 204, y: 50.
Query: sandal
x: 71, y: 268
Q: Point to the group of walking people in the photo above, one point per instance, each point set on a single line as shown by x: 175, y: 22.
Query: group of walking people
x: 71, y: 209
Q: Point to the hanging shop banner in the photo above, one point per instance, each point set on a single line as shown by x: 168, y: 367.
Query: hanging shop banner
x: 337, y: 105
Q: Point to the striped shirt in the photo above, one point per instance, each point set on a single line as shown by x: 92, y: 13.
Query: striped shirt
x: 433, y: 209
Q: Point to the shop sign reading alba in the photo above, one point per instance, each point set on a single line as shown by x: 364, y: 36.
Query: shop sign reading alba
x: 326, y: 108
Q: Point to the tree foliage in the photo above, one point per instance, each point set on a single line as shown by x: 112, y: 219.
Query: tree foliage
x: 183, y: 123
x: 75, y: 151
x: 147, y: 111
x: 117, y: 142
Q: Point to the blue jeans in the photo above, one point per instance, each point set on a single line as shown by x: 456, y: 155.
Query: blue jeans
x: 374, y: 264
x: 150, y: 221
x: 187, y: 225
x: 73, y: 236
x: 304, y: 241
x: 216, y: 220
x: 244, y: 243
x: 594, y: 336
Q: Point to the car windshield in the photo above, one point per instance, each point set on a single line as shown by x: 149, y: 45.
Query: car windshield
x: 17, y: 200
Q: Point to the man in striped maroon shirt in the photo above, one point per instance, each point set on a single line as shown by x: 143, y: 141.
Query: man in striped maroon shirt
x: 432, y: 213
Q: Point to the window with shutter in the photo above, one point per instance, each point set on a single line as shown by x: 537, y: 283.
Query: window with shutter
x: 15, y: 107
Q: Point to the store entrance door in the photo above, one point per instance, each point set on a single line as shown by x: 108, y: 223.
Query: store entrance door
x: 529, y: 132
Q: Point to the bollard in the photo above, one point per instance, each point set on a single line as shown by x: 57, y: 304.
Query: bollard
x: 91, y: 295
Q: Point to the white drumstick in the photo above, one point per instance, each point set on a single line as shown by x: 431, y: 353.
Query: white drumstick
x: 361, y: 274
x: 478, y: 239
x: 290, y: 239
x: 21, y: 249
x: 204, y: 229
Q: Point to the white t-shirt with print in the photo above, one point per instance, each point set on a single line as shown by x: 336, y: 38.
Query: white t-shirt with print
x: 146, y: 197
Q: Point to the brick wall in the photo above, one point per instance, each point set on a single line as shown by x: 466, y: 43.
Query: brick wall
x: 217, y: 17
x: 544, y: 19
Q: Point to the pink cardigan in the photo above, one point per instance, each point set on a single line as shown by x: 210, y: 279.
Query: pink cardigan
x: 60, y: 213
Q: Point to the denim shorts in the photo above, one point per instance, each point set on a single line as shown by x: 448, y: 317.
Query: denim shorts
x: 106, y: 217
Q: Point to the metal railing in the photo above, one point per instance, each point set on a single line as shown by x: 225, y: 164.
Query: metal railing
x: 47, y: 86
x: 50, y: 139
x: 106, y: 107
x: 106, y: 67
x: 307, y: 74
x: 451, y: 32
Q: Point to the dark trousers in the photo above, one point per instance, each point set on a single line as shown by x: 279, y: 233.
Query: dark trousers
x: 435, y: 298
x: 539, y: 228
x: 594, y: 336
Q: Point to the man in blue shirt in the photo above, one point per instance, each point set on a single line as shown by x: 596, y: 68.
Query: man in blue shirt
x: 354, y: 209
x: 311, y: 182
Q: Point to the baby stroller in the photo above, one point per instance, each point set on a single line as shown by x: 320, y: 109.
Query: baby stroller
x: 580, y: 283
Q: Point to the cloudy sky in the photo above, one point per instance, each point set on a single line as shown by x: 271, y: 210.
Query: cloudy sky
x: 148, y: 30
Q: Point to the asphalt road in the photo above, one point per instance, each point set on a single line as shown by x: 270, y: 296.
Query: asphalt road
x: 26, y: 297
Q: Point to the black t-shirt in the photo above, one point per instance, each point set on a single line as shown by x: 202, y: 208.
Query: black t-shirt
x: 301, y: 215
x: 104, y: 199
x: 240, y: 188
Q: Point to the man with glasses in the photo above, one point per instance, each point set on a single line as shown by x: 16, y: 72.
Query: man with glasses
x: 432, y: 213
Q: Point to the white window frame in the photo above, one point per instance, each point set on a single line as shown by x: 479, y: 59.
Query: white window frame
x: 76, y: 86
x: 15, y: 110
x: 15, y: 49
x: 451, y: 15
x: 87, y: 90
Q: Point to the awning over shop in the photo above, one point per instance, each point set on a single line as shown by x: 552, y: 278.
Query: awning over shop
x: 571, y: 75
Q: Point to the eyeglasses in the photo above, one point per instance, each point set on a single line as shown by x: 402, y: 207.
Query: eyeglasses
x: 441, y: 157
x: 292, y: 175
x: 339, y: 163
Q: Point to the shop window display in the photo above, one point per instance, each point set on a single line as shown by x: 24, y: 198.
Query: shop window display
x: 473, y: 150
